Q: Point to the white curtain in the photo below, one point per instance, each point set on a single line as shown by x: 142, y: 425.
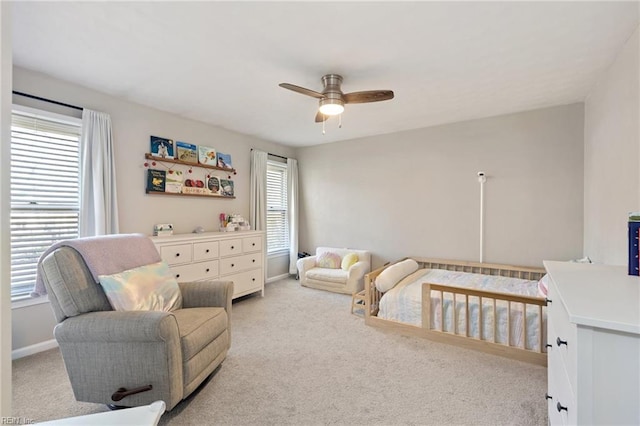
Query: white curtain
x: 292, y: 207
x: 258, y: 193
x: 98, y: 201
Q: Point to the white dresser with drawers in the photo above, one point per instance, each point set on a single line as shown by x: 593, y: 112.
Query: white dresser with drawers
x: 227, y: 256
x: 593, y: 343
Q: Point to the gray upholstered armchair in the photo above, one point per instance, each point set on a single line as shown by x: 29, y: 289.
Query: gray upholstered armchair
x: 109, y: 353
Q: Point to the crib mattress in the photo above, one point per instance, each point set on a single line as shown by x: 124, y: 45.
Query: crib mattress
x: 403, y: 303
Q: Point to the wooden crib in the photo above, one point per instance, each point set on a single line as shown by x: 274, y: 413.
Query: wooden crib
x: 507, y: 349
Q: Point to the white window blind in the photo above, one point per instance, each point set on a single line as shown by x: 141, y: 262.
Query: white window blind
x: 277, y: 219
x: 45, y: 191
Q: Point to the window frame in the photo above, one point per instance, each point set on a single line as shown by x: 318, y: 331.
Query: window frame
x: 285, y: 247
x: 19, y: 295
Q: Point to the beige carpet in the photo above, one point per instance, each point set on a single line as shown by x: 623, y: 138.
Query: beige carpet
x: 299, y: 357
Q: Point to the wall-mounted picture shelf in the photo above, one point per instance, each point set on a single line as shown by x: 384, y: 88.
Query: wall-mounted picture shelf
x: 158, y: 181
x: 190, y: 195
x: 184, y: 163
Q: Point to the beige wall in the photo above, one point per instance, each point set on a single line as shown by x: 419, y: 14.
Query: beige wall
x: 417, y: 193
x: 612, y: 157
x: 132, y: 126
x: 138, y: 212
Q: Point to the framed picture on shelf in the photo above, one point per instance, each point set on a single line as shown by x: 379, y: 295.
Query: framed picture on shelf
x: 226, y: 187
x: 173, y: 181
x: 162, y: 147
x: 213, y: 185
x: 187, y: 152
x: 223, y: 160
x: 156, y: 180
x: 206, y: 155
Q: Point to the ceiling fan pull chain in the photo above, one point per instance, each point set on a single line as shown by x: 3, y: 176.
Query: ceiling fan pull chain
x: 339, y: 121
x: 323, y: 120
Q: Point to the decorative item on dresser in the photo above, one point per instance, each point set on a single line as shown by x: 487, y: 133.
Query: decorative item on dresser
x: 593, y: 341
x: 237, y: 257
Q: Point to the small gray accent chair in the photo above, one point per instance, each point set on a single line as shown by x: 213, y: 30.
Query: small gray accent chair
x: 105, y: 350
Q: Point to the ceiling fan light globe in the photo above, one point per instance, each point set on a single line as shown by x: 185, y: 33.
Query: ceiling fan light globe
x: 331, y: 108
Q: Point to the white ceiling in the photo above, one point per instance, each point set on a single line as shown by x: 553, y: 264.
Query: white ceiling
x: 221, y: 62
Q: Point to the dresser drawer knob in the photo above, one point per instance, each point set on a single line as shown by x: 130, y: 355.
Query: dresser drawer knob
x: 253, y: 244
x: 232, y: 247
x: 207, y: 270
x: 547, y: 300
x: 253, y: 279
x: 232, y: 265
x: 177, y: 254
x: 177, y: 275
x: 254, y: 261
x: 206, y: 251
x: 560, y: 407
x: 547, y: 396
x: 561, y: 342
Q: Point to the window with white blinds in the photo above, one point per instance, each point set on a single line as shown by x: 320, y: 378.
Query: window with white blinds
x: 45, y: 190
x: 277, y: 218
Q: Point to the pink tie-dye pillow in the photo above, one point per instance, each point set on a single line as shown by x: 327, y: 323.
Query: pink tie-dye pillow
x: 329, y: 260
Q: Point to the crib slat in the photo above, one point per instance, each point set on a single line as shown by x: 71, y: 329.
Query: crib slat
x: 455, y: 315
x: 466, y: 306
x: 426, y: 306
x: 524, y: 326
x: 509, y: 323
x: 495, y: 321
x: 441, y: 310
x: 540, y: 328
x: 480, y: 319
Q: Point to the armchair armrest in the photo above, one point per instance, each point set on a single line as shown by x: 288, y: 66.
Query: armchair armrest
x: 355, y: 275
x: 119, y: 326
x: 200, y: 294
x: 303, y: 265
x: 358, y: 269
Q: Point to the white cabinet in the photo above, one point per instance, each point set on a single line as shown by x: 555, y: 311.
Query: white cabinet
x: 228, y: 256
x: 593, y: 337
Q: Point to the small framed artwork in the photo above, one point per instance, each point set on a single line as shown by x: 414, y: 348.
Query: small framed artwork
x: 206, y: 155
x: 187, y: 152
x: 213, y: 185
x: 156, y: 180
x: 223, y: 160
x: 162, y: 147
x: 226, y: 187
x: 173, y: 182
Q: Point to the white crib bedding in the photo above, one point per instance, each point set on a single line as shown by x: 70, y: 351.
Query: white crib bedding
x: 403, y: 303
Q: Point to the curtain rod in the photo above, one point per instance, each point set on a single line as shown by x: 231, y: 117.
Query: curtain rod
x: 26, y: 95
x: 275, y: 155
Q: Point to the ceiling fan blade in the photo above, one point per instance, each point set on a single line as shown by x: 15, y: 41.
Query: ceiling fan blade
x: 320, y: 117
x: 302, y: 90
x: 368, y: 96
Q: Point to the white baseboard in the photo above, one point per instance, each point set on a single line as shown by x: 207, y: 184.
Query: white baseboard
x: 276, y: 278
x: 34, y: 349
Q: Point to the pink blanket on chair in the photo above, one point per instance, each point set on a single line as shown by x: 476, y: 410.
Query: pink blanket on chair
x: 105, y: 255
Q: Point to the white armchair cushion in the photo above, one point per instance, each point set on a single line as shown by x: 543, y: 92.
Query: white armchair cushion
x: 328, y: 274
